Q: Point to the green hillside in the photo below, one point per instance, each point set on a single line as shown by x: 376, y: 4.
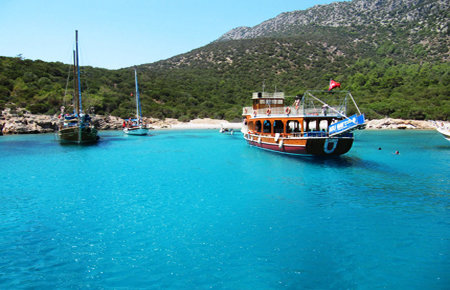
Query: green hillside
x: 398, y: 69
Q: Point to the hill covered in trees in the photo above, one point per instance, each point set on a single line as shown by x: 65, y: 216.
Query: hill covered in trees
x: 392, y: 54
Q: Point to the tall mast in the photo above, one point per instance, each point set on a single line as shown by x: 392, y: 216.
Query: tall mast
x: 75, y: 84
x: 138, y: 102
x: 78, y: 75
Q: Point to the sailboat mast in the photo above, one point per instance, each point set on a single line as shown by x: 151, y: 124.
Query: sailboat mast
x: 78, y: 75
x: 75, y: 85
x: 138, y: 103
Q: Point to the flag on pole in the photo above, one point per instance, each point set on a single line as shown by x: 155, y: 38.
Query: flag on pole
x: 333, y: 85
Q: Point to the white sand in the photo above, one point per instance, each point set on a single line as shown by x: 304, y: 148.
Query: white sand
x: 195, y: 124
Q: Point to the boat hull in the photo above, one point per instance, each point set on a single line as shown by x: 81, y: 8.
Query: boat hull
x: 445, y: 133
x: 136, y: 131
x: 325, y: 146
x: 78, y: 135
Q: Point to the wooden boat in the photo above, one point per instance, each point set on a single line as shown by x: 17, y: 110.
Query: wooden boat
x: 310, y: 126
x: 76, y: 128
x: 136, y: 126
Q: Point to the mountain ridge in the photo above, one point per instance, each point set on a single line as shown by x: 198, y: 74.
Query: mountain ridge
x: 357, y: 12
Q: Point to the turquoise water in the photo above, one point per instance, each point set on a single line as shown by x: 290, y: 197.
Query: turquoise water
x: 198, y: 209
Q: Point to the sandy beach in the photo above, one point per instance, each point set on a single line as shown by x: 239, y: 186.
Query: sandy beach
x: 195, y: 124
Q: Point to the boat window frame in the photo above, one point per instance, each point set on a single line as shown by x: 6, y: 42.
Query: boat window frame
x: 258, y: 126
x: 292, y: 131
x: 275, y: 129
x: 264, y: 127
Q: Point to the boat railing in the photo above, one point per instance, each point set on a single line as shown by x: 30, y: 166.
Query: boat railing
x: 292, y: 111
x: 329, y: 111
x: 325, y: 134
x: 316, y: 134
x: 287, y: 110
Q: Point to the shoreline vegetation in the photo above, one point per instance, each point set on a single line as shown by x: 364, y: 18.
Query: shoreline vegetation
x: 23, y: 122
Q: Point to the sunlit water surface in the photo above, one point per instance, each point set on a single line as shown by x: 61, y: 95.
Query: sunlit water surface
x: 198, y: 209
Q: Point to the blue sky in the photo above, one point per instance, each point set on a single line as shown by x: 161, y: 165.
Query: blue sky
x: 115, y: 34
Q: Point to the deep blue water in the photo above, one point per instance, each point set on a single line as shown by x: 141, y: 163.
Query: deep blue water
x: 198, y: 209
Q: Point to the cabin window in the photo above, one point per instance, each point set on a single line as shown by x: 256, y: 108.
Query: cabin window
x: 258, y: 126
x: 251, y: 125
x: 323, y: 125
x: 266, y: 126
x: 278, y: 126
x: 292, y: 126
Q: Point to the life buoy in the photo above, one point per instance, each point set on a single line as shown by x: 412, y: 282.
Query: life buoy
x: 330, y: 145
x: 288, y: 110
x: 268, y: 111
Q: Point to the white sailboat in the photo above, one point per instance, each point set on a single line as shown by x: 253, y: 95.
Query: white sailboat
x: 136, y: 126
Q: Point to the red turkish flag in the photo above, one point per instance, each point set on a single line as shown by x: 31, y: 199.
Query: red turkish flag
x: 333, y: 85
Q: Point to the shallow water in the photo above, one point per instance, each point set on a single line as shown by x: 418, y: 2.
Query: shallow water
x: 198, y: 209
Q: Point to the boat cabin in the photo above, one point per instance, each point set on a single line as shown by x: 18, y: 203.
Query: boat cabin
x: 307, y: 116
x: 263, y: 100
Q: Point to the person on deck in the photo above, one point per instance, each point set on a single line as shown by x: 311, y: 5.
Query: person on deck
x: 324, y: 110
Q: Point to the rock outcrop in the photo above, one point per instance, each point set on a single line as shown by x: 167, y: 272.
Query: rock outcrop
x: 430, y: 14
x: 23, y: 122
x: 389, y: 123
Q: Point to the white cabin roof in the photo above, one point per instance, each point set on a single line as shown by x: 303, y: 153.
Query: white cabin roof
x: 265, y: 95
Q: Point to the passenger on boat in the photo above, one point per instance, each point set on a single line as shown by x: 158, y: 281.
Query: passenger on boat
x: 324, y: 110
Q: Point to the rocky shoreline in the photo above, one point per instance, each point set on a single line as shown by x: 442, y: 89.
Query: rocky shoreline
x: 23, y: 122
x: 389, y: 123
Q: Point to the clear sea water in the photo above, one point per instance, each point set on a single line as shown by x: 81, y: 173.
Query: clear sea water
x: 198, y: 210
